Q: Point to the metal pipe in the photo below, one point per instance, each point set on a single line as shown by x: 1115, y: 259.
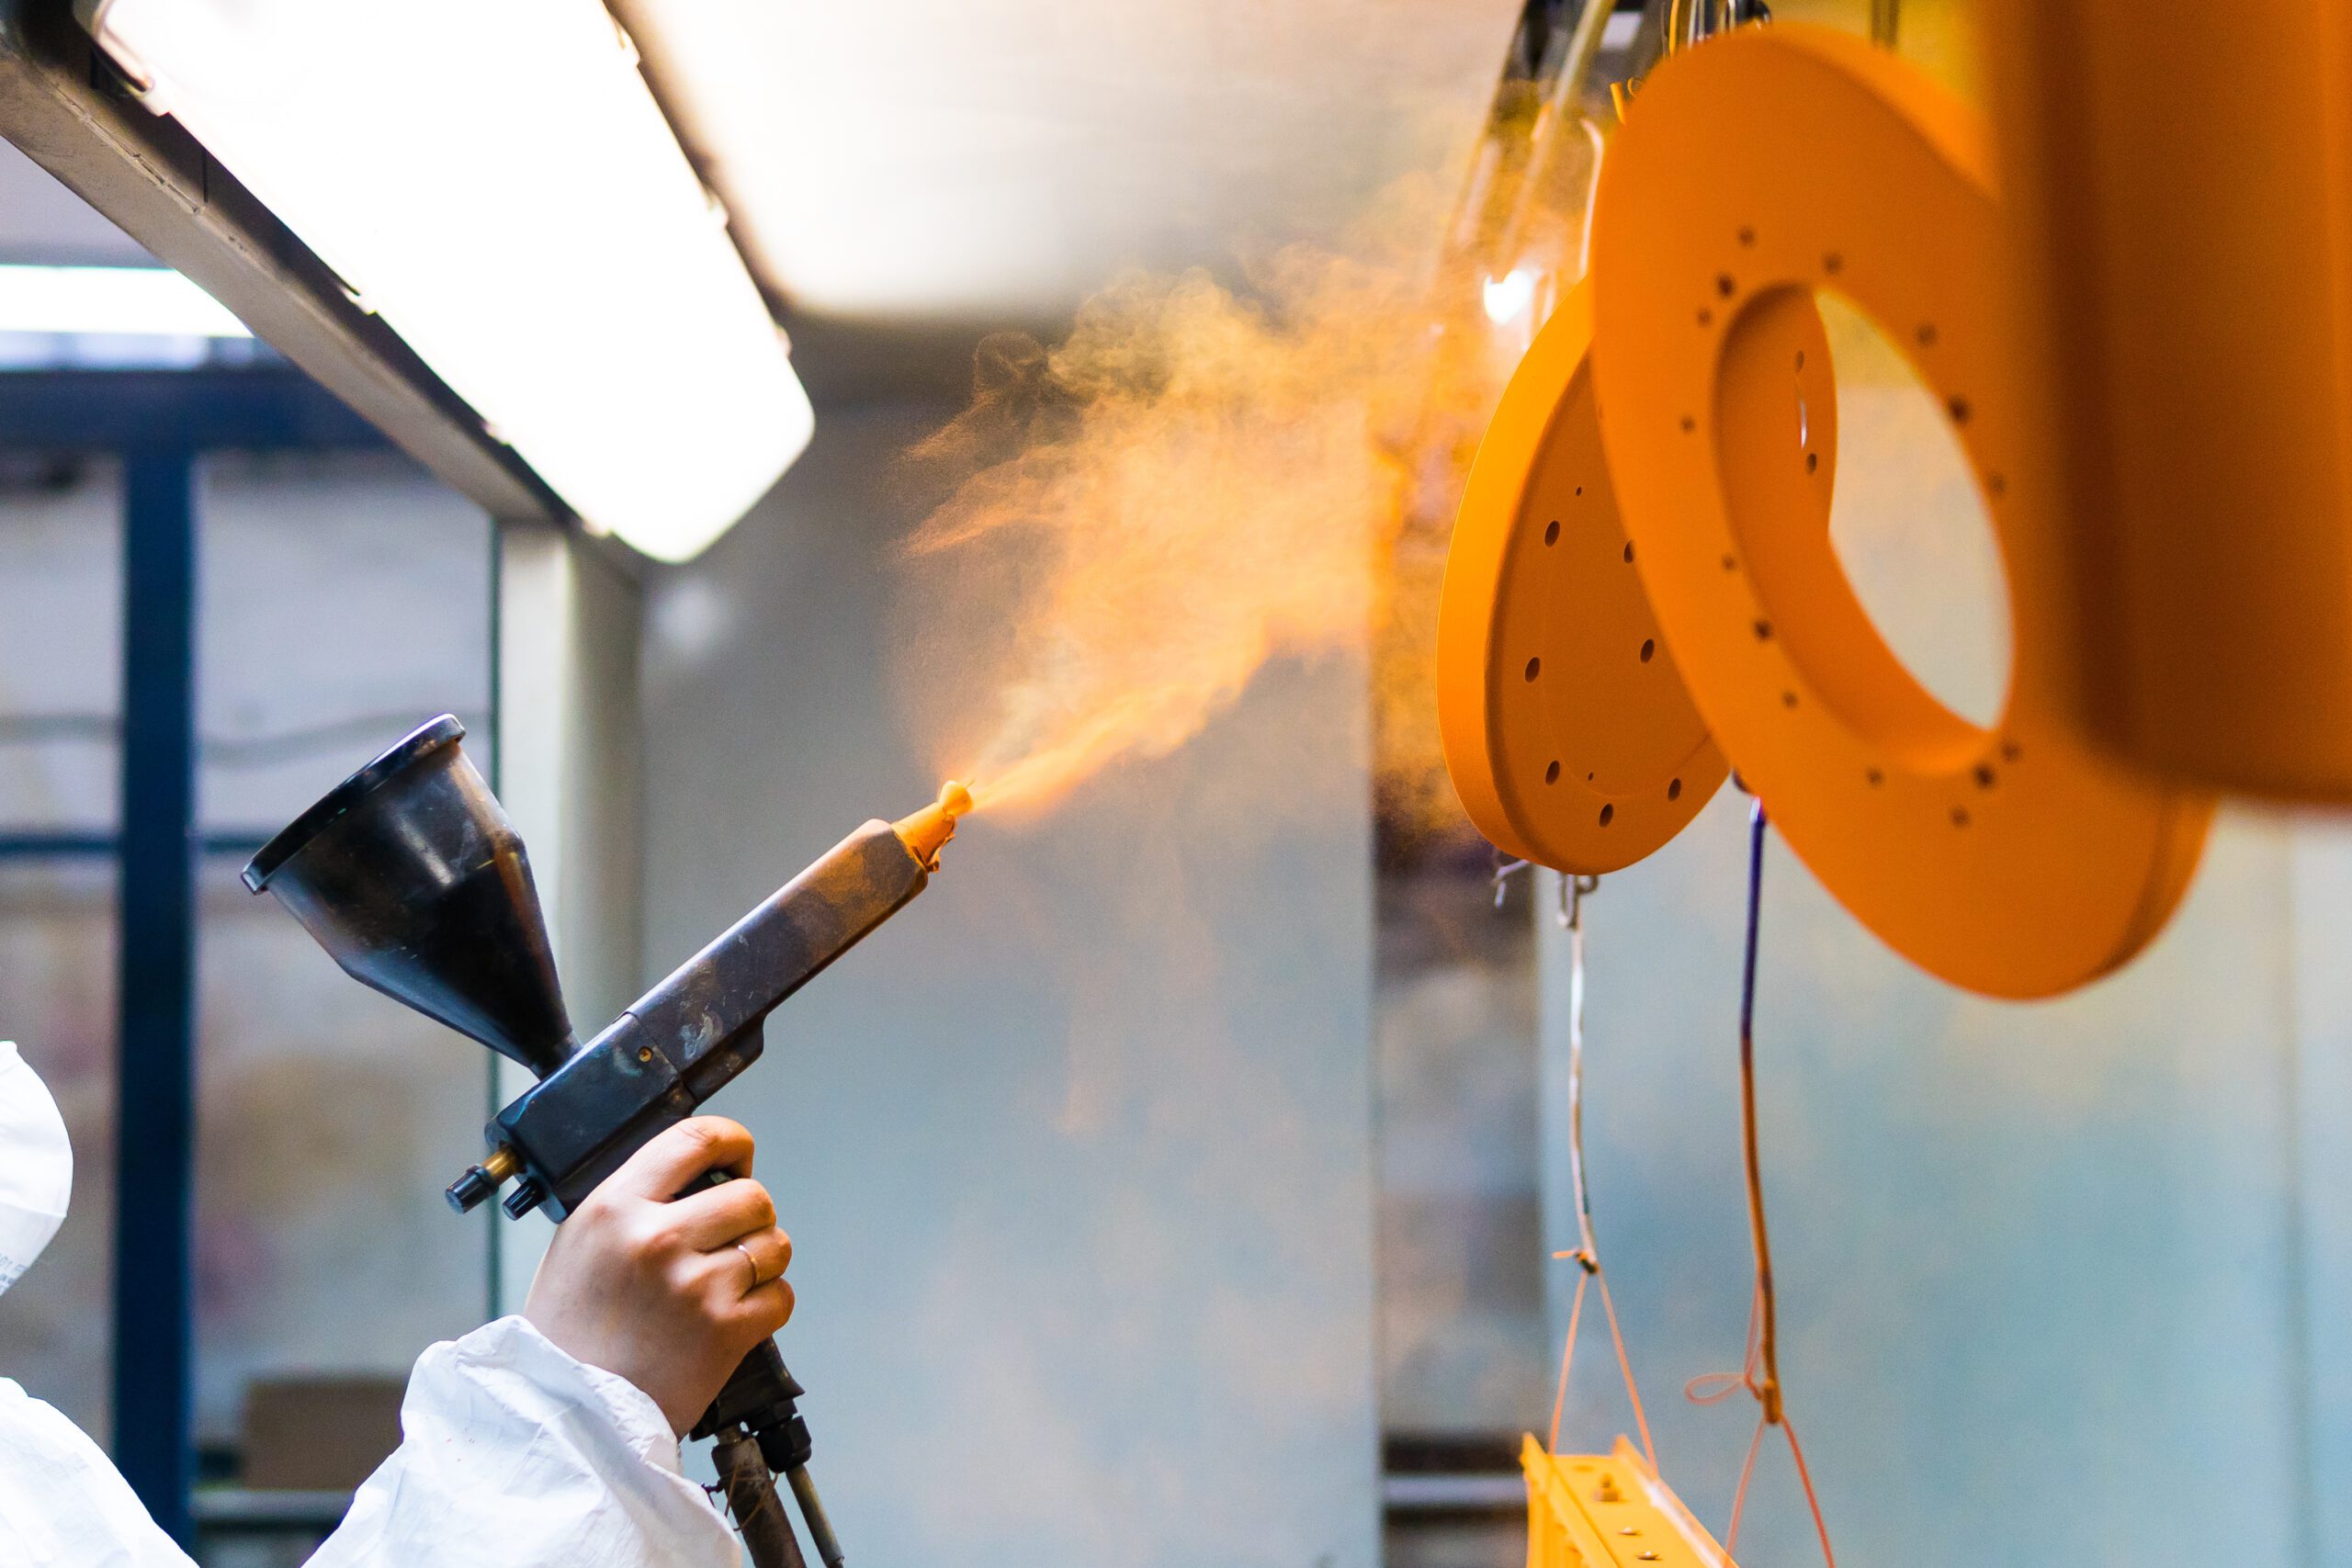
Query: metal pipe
x: 812, y: 1514
x: 751, y: 1499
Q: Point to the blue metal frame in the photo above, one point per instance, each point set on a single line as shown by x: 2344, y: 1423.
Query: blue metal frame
x: 270, y: 409
x: 154, y: 1224
x: 105, y: 846
x: 160, y: 422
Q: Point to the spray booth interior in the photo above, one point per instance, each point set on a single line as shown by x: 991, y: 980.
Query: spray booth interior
x: 742, y: 419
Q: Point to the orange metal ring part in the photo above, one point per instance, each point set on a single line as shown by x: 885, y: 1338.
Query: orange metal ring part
x: 2194, y: 271
x: 1754, y: 169
x: 1567, y: 731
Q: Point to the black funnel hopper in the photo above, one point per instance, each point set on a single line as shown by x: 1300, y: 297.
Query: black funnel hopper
x: 410, y: 875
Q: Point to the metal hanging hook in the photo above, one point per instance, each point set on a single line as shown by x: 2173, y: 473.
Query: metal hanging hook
x: 1573, y: 892
x: 1686, y: 22
x: 1504, y: 871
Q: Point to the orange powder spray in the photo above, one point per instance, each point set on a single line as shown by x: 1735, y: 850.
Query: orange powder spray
x: 1201, y: 478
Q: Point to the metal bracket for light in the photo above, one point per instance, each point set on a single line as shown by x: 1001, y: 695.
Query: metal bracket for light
x: 498, y: 187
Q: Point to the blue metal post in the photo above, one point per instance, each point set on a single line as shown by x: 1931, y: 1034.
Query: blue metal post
x: 155, y: 969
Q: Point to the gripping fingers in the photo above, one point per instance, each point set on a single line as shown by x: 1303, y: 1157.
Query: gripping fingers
x: 749, y: 1262
x: 765, y: 1309
x: 675, y: 1158
x: 723, y: 1276
x: 709, y: 1219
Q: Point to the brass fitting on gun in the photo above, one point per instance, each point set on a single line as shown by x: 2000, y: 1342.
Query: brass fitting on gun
x: 482, y: 1180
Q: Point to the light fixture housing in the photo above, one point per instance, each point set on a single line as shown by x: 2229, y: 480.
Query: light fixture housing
x: 498, y: 184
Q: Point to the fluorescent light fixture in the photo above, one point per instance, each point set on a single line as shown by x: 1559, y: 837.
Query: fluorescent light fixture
x: 497, y: 183
x: 144, y: 301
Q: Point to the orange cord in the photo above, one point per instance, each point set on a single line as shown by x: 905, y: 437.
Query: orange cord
x: 1568, y: 1354
x: 1760, y: 1372
x: 1625, y: 1365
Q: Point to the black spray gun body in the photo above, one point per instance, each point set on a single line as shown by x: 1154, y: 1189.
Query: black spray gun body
x: 688, y: 1037
x: 410, y: 875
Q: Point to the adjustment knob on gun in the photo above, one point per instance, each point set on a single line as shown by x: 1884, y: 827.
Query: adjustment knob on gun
x: 466, y: 1194
x: 479, y: 1182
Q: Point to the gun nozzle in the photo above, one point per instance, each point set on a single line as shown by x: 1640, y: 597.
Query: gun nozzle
x: 929, y: 829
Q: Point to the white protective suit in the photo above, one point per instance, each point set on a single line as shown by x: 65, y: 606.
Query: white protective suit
x: 513, y: 1455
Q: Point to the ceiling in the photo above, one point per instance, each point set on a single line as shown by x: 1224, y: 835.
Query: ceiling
x: 935, y: 162
x: 928, y: 164
x: 900, y: 175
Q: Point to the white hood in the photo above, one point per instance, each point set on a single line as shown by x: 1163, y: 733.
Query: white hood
x: 36, y: 1166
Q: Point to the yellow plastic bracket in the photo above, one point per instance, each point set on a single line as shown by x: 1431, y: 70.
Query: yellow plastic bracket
x: 1608, y: 1511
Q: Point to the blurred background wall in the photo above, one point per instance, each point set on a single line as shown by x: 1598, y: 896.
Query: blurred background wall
x: 2059, y: 1282
x: 1077, y: 1153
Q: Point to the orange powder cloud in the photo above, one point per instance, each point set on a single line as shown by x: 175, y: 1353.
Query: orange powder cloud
x: 1200, y: 478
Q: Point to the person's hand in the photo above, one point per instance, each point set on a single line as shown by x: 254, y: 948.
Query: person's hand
x: 668, y: 1291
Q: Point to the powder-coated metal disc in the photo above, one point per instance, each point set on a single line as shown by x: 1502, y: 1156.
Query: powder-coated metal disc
x: 1759, y: 167
x: 1567, y: 731
x: 2195, y: 272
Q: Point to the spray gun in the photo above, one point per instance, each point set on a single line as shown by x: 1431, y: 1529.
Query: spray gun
x: 410, y: 875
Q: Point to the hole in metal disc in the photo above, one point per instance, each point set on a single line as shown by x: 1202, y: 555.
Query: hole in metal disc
x: 1909, y: 524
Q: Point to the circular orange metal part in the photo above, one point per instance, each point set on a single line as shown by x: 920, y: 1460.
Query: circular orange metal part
x: 1567, y: 731
x: 1754, y: 170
